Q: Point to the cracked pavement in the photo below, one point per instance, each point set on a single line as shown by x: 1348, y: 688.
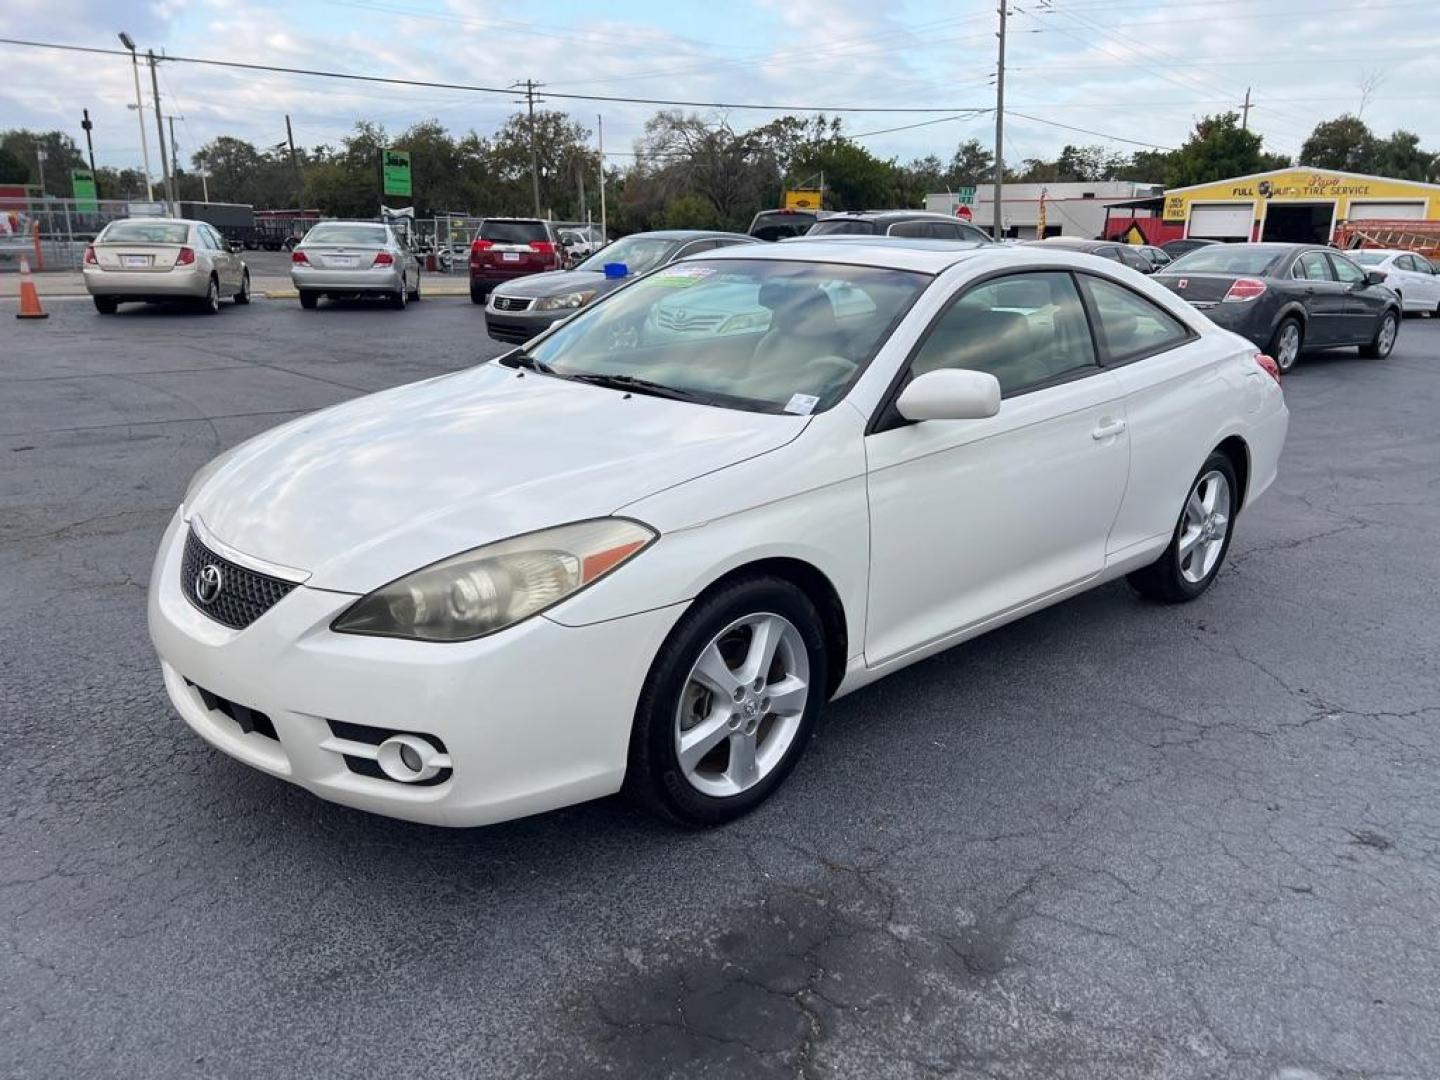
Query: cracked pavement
x: 1113, y: 840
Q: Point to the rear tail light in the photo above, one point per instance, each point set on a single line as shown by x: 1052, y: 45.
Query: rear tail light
x: 186, y: 257
x: 299, y: 258
x: 1270, y: 367
x: 90, y: 259
x: 544, y: 247
x: 1244, y: 289
x: 482, y: 245
x: 383, y: 258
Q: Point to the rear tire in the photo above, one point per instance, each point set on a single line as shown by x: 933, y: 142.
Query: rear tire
x: 309, y: 300
x: 210, y: 305
x: 1286, y: 343
x: 1190, y: 563
x: 243, y: 296
x: 415, y: 292
x: 400, y: 298
x: 675, y: 703
x: 106, y: 305
x: 1384, y: 341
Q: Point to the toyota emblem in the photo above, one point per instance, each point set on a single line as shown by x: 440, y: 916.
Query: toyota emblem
x: 208, y: 583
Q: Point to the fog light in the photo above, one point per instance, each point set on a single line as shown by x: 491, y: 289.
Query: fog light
x: 410, y: 759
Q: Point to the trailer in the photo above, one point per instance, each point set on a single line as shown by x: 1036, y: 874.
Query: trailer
x: 283, y: 229
x: 234, y: 221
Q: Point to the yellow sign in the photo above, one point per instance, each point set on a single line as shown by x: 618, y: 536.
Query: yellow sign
x: 802, y: 199
x: 1133, y: 235
x: 1302, y: 185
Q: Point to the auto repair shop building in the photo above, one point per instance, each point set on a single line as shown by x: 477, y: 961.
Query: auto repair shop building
x: 1297, y: 205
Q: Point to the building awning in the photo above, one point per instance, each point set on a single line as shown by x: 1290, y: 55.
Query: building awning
x: 1152, y: 202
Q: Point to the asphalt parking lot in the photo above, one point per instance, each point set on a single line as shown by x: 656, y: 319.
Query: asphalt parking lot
x: 1114, y: 840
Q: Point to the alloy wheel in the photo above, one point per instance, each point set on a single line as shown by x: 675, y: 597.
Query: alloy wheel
x: 1288, y: 346
x: 742, y: 704
x: 1385, y: 340
x: 1205, y: 526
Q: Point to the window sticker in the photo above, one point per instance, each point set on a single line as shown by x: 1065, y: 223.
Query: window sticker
x: 679, y: 277
x: 802, y: 404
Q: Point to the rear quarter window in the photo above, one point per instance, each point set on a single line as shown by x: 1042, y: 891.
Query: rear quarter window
x: 514, y: 232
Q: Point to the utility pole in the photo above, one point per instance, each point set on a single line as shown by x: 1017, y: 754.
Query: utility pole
x: 295, y: 166
x: 1245, y: 112
x: 40, y: 166
x: 530, y: 87
x: 126, y: 40
x: 175, y: 152
x: 160, y: 133
x: 998, y: 227
x: 600, y: 130
x: 87, y: 125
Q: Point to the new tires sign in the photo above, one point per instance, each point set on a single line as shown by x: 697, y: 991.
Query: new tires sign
x: 396, y: 168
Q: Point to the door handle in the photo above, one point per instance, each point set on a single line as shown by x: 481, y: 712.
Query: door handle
x: 1108, y: 430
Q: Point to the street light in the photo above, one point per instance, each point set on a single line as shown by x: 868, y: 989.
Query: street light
x: 139, y: 113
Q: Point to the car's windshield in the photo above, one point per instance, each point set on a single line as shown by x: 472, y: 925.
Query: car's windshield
x: 346, y: 234
x: 746, y: 333
x: 145, y: 232
x: 513, y: 232
x: 842, y: 227
x: 640, y: 254
x: 1369, y: 258
x: 1225, y: 259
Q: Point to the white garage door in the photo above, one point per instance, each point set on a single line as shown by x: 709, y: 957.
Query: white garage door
x: 1409, y: 211
x: 1221, y: 222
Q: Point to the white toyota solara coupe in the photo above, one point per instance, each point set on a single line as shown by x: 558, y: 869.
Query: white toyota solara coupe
x: 644, y: 551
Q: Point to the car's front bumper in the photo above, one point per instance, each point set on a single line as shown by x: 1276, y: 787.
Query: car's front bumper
x: 521, y: 326
x: 535, y: 717
x: 180, y: 283
x: 386, y: 279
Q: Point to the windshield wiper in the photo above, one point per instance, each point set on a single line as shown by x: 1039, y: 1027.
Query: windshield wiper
x: 638, y: 385
x: 521, y: 359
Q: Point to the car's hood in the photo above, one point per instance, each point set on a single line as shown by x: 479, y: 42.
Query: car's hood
x: 559, y: 282
x: 364, y: 492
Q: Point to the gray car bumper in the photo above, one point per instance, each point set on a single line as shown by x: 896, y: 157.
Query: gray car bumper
x: 386, y: 279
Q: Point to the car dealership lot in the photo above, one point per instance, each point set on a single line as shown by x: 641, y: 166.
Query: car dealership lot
x: 1112, y: 839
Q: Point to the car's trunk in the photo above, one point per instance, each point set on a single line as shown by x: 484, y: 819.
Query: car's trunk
x: 340, y: 256
x: 1197, y: 288
x: 137, y: 258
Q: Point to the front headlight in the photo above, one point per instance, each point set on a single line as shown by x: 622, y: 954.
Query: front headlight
x: 568, y: 300
x: 479, y: 592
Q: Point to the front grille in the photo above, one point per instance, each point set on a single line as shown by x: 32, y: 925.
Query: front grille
x: 242, y: 595
x: 511, y: 303
x: 251, y: 721
x: 374, y: 736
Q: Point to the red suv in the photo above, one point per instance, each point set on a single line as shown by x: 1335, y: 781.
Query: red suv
x: 509, y: 248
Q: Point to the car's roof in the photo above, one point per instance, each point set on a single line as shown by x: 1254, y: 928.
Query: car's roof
x: 896, y: 253
x: 694, y: 234
x: 888, y: 215
x: 158, y: 220
x: 1079, y: 243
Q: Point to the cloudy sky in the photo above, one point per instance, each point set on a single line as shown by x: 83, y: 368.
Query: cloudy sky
x: 1126, y: 69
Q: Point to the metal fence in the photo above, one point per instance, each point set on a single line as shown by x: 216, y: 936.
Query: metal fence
x: 52, y: 233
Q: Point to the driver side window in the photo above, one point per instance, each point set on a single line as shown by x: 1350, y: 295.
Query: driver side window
x: 1347, y: 271
x: 1025, y: 329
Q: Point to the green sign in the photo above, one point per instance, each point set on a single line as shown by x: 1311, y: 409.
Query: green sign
x: 965, y: 196
x: 82, y: 184
x: 397, y: 172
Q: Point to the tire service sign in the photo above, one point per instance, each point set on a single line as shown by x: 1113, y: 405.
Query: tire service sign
x: 396, y: 167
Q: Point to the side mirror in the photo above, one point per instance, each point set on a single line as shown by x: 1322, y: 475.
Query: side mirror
x: 235, y: 247
x: 950, y: 394
x: 1374, y: 277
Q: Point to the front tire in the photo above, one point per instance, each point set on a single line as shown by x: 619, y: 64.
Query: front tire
x: 243, y: 296
x: 309, y: 300
x: 1202, y: 538
x: 1384, y: 340
x: 1286, y: 343
x: 729, y: 704
x: 106, y: 305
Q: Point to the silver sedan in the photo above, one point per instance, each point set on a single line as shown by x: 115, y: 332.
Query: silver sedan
x: 354, y: 258
x: 154, y: 259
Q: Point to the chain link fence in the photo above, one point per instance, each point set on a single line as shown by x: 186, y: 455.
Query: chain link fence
x: 52, y: 233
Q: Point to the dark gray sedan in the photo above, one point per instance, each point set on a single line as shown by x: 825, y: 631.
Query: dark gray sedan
x: 1288, y: 297
x: 518, y: 310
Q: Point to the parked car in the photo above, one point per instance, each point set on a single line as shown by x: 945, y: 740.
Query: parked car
x: 1288, y: 297
x: 355, y: 259
x: 1412, y: 276
x: 160, y: 259
x: 917, y: 224
x: 1176, y: 248
x: 613, y: 562
x: 1114, y: 250
x: 508, y: 248
x: 781, y: 224
x: 519, y: 310
x: 578, y: 241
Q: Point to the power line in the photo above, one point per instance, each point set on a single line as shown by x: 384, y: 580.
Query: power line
x: 1088, y: 131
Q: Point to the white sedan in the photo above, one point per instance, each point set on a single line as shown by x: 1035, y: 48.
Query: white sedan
x: 1410, y: 275
x: 620, y: 560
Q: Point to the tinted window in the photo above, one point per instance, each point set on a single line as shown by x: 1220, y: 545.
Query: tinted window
x: 1128, y: 324
x: 911, y: 228
x: 842, y: 227
x: 1313, y: 266
x: 1113, y: 254
x: 1225, y: 259
x: 1132, y: 258
x: 1025, y: 329
x: 372, y: 235
x: 942, y: 230
x: 1370, y: 258
x: 514, y: 232
x: 778, y: 224
x: 970, y: 232
x: 145, y: 232
x: 1347, y: 271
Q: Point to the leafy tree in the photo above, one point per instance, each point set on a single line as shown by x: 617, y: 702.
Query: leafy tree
x: 690, y: 212
x: 971, y: 165
x: 1400, y: 156
x: 61, y: 155
x: 562, y: 152
x: 1218, y: 147
x: 1345, y: 143
x: 12, y: 169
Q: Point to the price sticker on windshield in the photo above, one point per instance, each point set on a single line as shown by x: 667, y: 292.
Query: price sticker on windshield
x: 680, y: 277
x: 802, y: 404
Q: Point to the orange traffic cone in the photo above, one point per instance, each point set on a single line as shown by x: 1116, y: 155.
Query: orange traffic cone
x: 29, y: 298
